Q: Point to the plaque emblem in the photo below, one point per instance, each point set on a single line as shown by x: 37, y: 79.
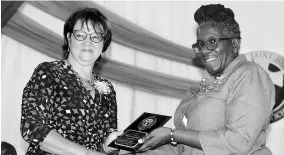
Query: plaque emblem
x: 138, y: 129
x: 147, y: 123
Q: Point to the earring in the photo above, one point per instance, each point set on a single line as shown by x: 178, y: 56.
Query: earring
x: 68, y: 49
x: 235, y: 50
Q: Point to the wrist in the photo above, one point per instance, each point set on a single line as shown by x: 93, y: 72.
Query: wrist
x: 92, y: 152
x: 85, y: 151
x: 107, y: 150
x: 172, y: 140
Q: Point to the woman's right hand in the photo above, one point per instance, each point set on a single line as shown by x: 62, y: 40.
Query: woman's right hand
x: 92, y: 152
x: 110, y: 138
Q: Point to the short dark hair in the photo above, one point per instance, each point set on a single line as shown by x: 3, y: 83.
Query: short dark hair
x: 218, y: 16
x: 7, y: 149
x: 98, y: 20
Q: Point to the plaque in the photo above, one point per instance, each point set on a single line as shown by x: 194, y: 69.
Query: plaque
x: 143, y: 125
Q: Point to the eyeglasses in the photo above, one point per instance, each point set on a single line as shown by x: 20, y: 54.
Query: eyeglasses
x: 81, y: 35
x: 210, y: 44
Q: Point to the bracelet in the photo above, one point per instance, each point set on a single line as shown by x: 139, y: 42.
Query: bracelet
x: 174, y: 143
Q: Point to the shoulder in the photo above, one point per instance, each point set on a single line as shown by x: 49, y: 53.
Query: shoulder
x: 251, y: 76
x: 104, y: 83
x: 49, y: 65
x: 104, y: 80
x: 49, y: 69
x: 249, y: 69
x: 252, y: 84
x: 43, y: 73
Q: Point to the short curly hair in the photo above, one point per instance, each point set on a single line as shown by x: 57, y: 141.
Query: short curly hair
x: 218, y: 16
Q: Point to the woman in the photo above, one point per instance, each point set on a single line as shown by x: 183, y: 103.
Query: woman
x: 230, y: 110
x: 7, y: 149
x: 66, y: 107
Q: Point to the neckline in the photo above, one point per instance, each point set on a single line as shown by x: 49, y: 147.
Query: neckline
x: 209, y: 82
x: 90, y: 84
x: 69, y: 66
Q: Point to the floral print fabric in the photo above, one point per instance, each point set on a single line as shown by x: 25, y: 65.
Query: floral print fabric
x: 55, y: 99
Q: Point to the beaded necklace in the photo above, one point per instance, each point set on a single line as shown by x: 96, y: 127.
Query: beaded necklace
x: 208, y: 84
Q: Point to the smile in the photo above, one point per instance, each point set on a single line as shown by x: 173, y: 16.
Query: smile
x: 87, y: 50
x: 210, y: 59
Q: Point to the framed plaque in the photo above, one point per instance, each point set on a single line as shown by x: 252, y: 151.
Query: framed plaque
x: 143, y: 125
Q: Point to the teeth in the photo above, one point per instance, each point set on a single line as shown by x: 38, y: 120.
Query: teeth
x: 210, y: 59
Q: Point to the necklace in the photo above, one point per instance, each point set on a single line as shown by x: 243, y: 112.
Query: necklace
x: 88, y: 84
x: 208, y: 84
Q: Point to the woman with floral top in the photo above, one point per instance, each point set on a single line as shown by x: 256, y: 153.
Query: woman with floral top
x: 66, y: 108
x: 228, y: 113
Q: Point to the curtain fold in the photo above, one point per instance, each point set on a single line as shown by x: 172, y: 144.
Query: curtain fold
x: 125, y: 32
x: 8, y: 8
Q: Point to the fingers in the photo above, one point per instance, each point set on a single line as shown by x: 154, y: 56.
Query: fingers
x: 119, y: 133
x: 146, y: 138
x: 146, y: 145
x: 108, y: 149
x: 111, y: 149
x: 141, y: 141
x: 143, y: 148
x: 114, y: 136
x: 125, y: 152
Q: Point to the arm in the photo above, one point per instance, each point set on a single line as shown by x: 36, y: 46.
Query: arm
x: 248, y: 111
x: 110, y: 99
x: 187, y: 137
x: 36, y: 103
x: 34, y: 127
x: 249, y: 106
x: 162, y: 136
x: 57, y: 144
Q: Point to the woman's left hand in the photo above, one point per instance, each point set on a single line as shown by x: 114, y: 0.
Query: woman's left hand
x: 110, y: 138
x: 155, y: 139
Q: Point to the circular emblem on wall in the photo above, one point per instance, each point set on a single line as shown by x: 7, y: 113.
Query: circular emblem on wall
x: 147, y: 123
x: 273, y: 63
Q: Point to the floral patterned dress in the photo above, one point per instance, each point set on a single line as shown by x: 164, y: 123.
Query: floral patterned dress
x: 55, y: 99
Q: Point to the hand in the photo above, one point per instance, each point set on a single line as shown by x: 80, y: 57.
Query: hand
x: 155, y: 139
x: 109, y: 139
x: 92, y: 152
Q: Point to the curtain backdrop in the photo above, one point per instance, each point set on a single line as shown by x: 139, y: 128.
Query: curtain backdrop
x: 170, y: 20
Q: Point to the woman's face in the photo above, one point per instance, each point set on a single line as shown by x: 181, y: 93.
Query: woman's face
x: 215, y: 60
x: 84, y: 52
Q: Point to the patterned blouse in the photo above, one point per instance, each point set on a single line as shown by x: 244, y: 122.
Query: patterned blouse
x: 55, y: 99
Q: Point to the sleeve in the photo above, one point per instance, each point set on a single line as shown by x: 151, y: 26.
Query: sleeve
x: 112, y: 107
x: 110, y: 100
x: 250, y: 102
x: 35, y: 106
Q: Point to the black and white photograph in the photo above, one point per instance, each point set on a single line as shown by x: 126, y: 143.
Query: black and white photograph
x: 76, y: 74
